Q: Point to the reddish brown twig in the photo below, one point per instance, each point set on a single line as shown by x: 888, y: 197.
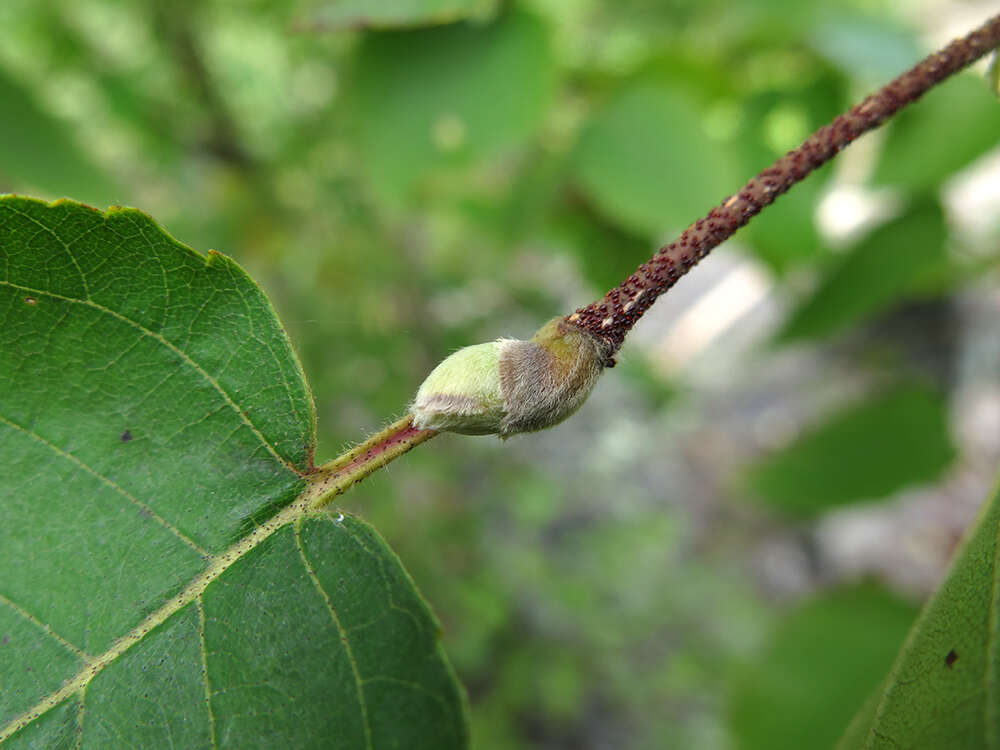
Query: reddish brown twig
x: 613, y: 316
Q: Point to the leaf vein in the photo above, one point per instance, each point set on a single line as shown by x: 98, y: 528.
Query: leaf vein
x: 204, y: 670
x: 185, y: 357
x: 44, y: 229
x: 358, y: 683
x: 144, y: 507
x: 47, y: 629
x: 323, y: 485
x: 80, y: 714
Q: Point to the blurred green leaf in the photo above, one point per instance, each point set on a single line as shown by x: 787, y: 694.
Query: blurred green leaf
x: 943, y: 691
x: 943, y: 132
x: 785, y: 235
x: 384, y: 14
x: 993, y: 74
x: 864, y: 451
x: 818, y: 665
x: 606, y: 253
x: 776, y: 121
x: 872, y: 49
x: 895, y: 262
x: 38, y: 151
x: 153, y: 416
x: 646, y: 161
x: 448, y: 95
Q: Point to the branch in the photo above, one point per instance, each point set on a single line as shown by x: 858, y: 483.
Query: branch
x: 611, y: 318
x: 223, y: 140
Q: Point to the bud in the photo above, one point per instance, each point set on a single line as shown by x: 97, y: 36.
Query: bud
x: 509, y: 386
x: 462, y: 394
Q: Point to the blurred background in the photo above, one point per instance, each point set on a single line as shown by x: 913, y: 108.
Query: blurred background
x: 726, y: 546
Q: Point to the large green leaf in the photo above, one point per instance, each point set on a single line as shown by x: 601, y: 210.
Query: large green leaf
x: 897, y: 261
x: 647, y: 163
x: 820, y: 662
x: 447, y: 95
x: 38, y: 151
x: 153, y: 419
x: 865, y: 451
x: 943, y: 690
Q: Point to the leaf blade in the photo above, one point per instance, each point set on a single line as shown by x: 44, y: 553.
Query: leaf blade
x: 896, y: 439
x: 639, y: 178
x: 891, y: 264
x: 942, y: 690
x: 153, y: 401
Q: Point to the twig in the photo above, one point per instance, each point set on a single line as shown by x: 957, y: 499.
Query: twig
x: 612, y: 317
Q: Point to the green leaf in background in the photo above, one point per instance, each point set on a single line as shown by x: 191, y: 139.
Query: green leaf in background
x: 153, y: 417
x: 893, y: 263
x: 962, y: 113
x: 943, y: 690
x: 646, y: 161
x: 818, y: 665
x: 786, y: 235
x: 38, y: 151
x: 776, y: 121
x: 606, y: 253
x: 865, y: 451
x: 870, y: 48
x: 447, y: 95
x: 993, y: 74
x: 374, y: 14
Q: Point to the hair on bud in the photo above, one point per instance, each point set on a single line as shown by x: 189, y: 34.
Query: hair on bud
x: 509, y: 386
x: 463, y: 394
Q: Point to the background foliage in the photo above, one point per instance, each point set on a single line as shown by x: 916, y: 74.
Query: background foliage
x: 773, y: 478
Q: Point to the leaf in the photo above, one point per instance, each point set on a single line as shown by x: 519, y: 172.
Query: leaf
x: 895, y: 262
x: 818, y: 665
x: 647, y: 163
x: 785, y: 235
x: 395, y: 13
x: 448, y: 95
x: 870, y: 48
x: 153, y: 421
x: 38, y: 151
x: 939, y: 135
x: 605, y: 253
x: 942, y: 691
x: 865, y: 451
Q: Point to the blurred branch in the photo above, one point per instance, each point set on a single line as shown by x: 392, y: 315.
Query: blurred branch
x: 612, y: 317
x: 224, y: 142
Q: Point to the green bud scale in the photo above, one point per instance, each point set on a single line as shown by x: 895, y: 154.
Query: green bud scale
x: 509, y: 386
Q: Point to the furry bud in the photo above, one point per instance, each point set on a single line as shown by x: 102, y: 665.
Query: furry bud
x: 509, y: 386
